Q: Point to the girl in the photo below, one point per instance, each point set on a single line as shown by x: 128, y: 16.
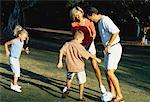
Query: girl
x: 14, y: 54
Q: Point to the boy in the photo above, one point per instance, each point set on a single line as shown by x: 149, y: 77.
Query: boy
x: 14, y: 54
x: 109, y: 34
x: 74, y: 53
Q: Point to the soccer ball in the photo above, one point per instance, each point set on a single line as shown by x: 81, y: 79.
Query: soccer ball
x: 107, y: 96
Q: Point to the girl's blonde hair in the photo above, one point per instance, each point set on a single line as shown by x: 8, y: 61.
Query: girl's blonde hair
x: 74, y: 10
x: 17, y: 29
x: 23, y: 31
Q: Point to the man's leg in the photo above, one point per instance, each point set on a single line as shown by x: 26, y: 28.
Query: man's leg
x: 111, y: 86
x: 115, y: 82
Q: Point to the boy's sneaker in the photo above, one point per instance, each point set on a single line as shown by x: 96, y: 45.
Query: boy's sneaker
x: 65, y: 89
x: 15, y: 88
x: 65, y: 92
x: 103, y: 90
x: 16, y: 85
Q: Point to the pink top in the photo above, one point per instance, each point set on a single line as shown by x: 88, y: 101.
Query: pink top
x: 87, y: 28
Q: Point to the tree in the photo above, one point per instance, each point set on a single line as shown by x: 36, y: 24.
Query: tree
x: 16, y: 17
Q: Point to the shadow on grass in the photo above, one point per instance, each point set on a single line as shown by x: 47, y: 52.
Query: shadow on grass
x: 135, y: 73
x: 6, y: 86
x: 52, y: 81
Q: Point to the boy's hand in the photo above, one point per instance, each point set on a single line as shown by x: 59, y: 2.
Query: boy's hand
x: 60, y: 65
x: 7, y: 53
x: 98, y: 60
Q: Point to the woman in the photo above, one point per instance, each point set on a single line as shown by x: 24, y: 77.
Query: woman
x: 87, y: 27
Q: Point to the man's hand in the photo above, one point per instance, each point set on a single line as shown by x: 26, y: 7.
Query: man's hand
x: 107, y: 49
x: 60, y: 65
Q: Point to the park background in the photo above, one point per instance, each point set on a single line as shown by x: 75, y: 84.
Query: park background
x: 48, y: 24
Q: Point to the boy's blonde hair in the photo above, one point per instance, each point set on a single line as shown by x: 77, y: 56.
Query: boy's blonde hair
x: 78, y: 34
x: 17, y: 28
x: 73, y: 11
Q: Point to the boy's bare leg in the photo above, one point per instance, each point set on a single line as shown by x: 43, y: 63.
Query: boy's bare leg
x: 68, y: 84
x: 81, y: 87
x: 115, y: 82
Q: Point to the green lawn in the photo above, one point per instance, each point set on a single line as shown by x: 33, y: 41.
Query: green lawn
x: 41, y: 81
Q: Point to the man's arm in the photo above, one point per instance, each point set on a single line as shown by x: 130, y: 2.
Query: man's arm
x: 6, y: 47
x: 113, y: 37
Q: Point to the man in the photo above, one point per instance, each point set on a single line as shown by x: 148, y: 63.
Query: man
x: 109, y: 34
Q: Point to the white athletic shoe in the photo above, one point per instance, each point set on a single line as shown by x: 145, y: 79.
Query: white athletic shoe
x: 65, y: 89
x: 16, y: 85
x: 15, y: 88
x: 103, y: 90
x: 106, y: 97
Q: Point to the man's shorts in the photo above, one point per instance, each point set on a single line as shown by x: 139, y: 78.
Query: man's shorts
x: 92, y: 48
x: 112, y: 59
x: 81, y: 76
x: 15, y: 66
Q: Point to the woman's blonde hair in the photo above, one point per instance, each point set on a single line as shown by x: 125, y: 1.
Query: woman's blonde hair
x: 17, y: 29
x: 74, y: 10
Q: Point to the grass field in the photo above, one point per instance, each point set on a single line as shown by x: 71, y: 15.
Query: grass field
x: 41, y: 81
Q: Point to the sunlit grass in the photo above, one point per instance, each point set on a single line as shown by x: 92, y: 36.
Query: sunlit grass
x: 42, y: 81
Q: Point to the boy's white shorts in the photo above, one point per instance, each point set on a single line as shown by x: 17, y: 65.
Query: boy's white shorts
x: 111, y: 60
x: 15, y: 66
x: 81, y: 76
x: 92, y: 48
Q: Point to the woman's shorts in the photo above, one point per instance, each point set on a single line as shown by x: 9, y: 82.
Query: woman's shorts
x: 92, y: 48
